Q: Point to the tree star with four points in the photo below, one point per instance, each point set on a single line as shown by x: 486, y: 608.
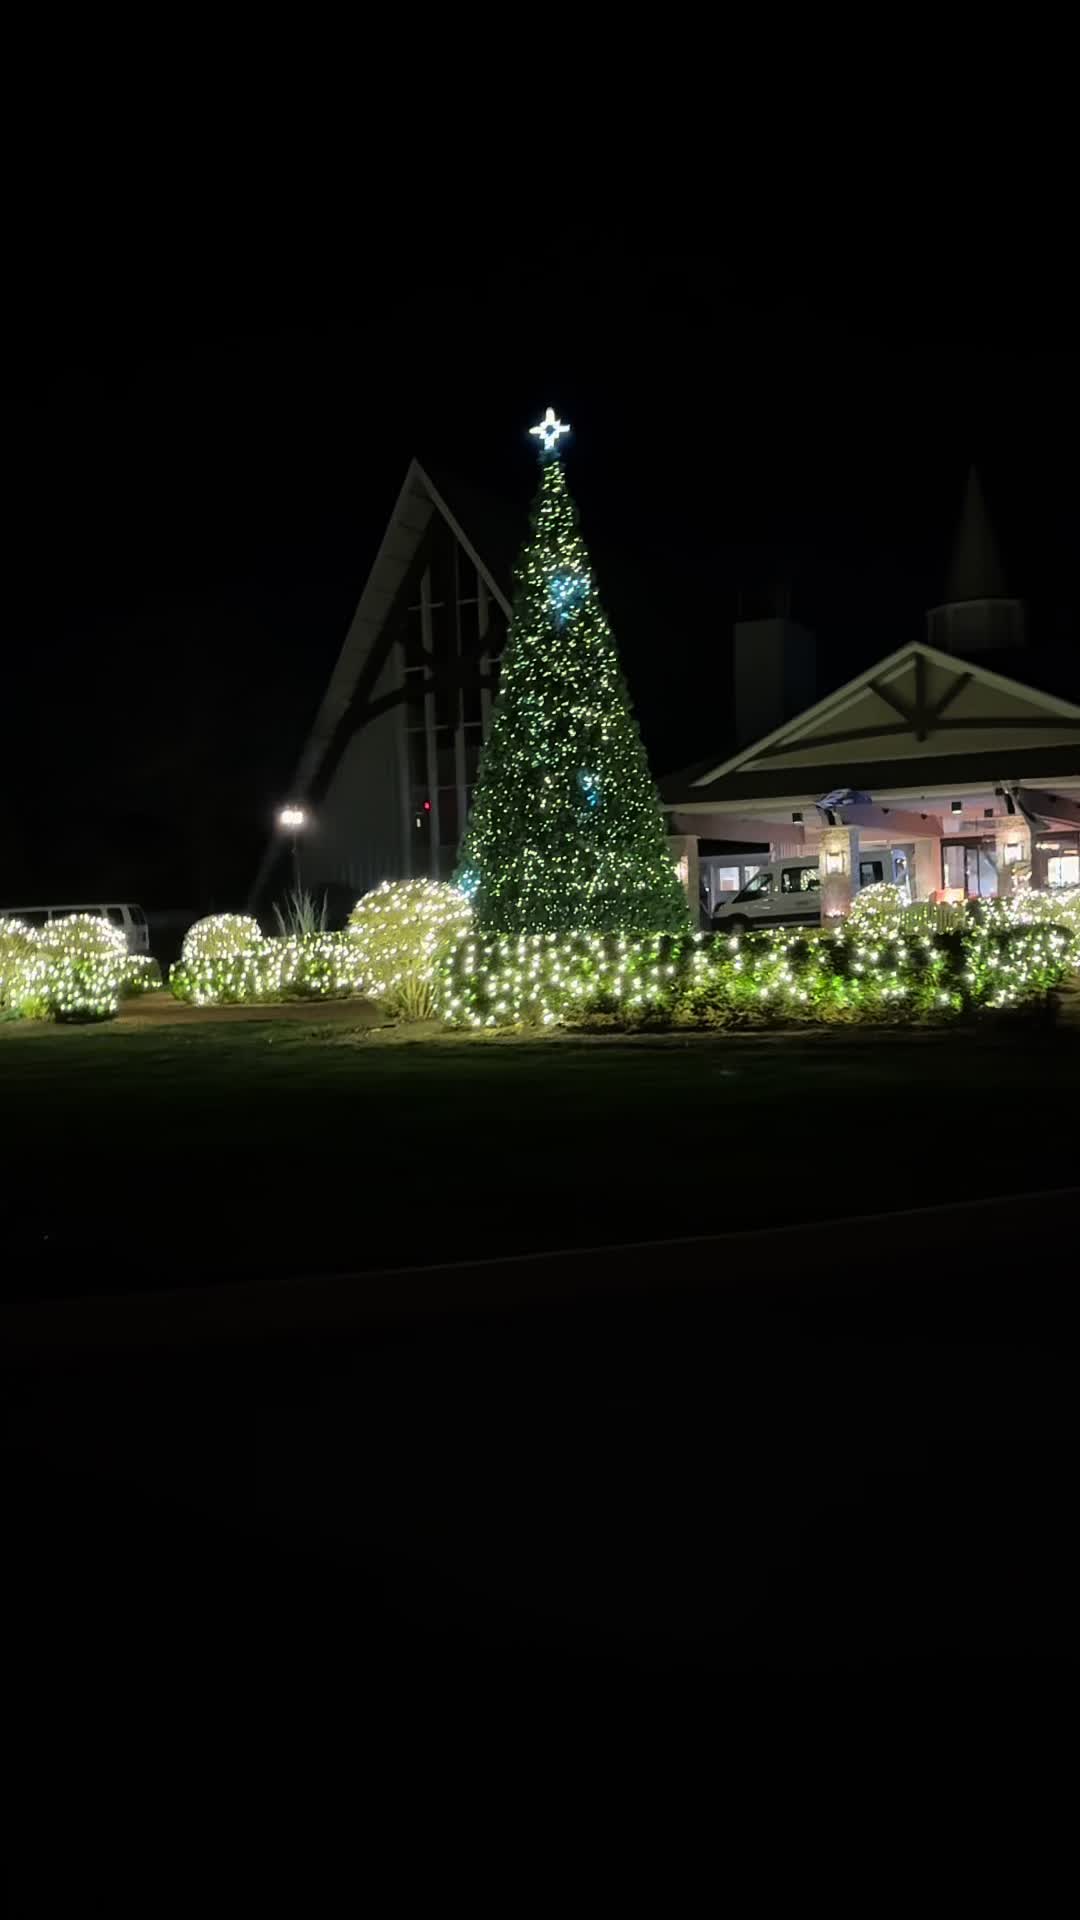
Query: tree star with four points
x: 549, y: 431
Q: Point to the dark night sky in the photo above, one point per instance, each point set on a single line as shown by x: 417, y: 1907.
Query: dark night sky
x: 221, y: 436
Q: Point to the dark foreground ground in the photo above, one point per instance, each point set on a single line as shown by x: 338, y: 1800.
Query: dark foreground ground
x: 140, y: 1154
x: 727, y: 1505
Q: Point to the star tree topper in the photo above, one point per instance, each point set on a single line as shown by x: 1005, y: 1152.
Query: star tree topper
x: 549, y: 432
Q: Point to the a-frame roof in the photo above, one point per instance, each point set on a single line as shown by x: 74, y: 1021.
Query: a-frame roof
x: 417, y: 503
x: 917, y: 713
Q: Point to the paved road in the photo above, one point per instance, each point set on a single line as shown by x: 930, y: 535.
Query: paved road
x: 755, y: 1475
x: 854, y: 1258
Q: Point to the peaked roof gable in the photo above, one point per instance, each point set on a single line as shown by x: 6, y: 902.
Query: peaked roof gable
x: 416, y: 506
x: 915, y: 703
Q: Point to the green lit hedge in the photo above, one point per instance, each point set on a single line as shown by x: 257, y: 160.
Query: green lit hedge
x: 883, y: 964
x: 318, y: 966
x: 713, y: 980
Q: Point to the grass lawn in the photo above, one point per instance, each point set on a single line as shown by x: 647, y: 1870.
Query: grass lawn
x: 142, y: 1153
x: 698, y: 1497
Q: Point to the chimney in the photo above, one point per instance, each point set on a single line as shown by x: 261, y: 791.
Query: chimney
x: 775, y: 663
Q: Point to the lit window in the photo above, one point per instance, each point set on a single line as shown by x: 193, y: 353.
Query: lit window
x: 1063, y: 870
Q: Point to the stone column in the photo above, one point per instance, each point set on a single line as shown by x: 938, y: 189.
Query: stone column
x: 1012, y: 845
x: 926, y: 869
x: 839, y: 871
x: 683, y: 848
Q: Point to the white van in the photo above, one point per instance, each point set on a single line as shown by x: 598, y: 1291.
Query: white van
x: 130, y: 918
x: 787, y: 893
x: 783, y: 893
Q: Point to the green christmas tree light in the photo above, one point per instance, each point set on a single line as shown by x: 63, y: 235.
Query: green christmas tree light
x: 565, y: 832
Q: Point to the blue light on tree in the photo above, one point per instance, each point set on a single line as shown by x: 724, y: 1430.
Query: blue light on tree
x: 590, y: 787
x: 566, y: 592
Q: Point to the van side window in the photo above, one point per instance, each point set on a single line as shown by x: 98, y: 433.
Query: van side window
x: 870, y: 872
x: 116, y: 915
x: 799, y: 880
x: 138, y: 917
x: 758, y: 886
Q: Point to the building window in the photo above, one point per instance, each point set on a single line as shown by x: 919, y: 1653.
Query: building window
x: 450, y: 639
x: 448, y: 816
x: 414, y: 638
x: 1063, y: 870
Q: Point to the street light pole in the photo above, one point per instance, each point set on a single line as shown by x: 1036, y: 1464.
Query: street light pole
x: 294, y: 819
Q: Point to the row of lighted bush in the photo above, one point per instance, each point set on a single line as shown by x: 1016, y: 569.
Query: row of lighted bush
x: 217, y: 974
x: 77, y: 968
x: 388, y: 952
x: 701, y: 980
x: 1057, y: 906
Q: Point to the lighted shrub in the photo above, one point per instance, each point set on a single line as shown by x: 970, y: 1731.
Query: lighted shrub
x: 22, y: 966
x: 220, y: 936
x: 877, y: 912
x: 70, y: 969
x: 1056, y: 907
x: 83, y: 966
x: 221, y: 962
x: 598, y: 980
x: 400, y: 932
x: 141, y: 975
x: 319, y: 966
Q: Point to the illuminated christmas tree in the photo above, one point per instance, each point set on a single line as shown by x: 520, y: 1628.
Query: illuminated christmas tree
x: 565, y: 831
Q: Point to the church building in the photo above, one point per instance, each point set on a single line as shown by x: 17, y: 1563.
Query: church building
x: 387, y: 772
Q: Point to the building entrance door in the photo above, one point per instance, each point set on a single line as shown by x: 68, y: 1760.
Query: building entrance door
x: 972, y: 866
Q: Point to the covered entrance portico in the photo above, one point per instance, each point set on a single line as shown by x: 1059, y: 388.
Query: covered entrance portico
x: 935, y: 773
